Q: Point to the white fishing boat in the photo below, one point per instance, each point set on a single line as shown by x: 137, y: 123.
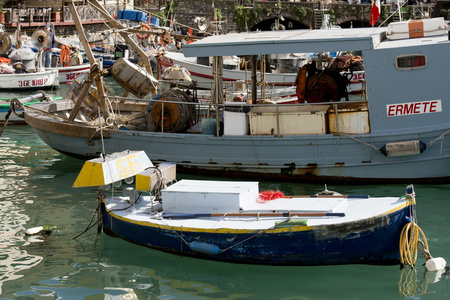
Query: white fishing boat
x: 22, y: 71
x: 68, y: 73
x: 67, y: 59
x: 234, y: 221
x: 396, y: 133
x: 32, y: 81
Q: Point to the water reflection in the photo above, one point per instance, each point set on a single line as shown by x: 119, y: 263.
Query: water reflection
x: 35, y: 189
x: 15, y: 168
x: 121, y: 270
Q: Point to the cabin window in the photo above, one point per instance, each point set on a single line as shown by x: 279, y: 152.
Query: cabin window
x: 410, y: 62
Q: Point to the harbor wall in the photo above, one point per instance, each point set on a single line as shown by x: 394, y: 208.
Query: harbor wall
x: 261, y: 15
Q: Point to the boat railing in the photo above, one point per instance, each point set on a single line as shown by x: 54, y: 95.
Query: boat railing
x: 327, y: 115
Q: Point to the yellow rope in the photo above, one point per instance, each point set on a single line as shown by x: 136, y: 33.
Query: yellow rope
x: 410, y: 237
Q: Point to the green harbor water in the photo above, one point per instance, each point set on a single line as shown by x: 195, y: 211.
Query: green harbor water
x: 35, y: 189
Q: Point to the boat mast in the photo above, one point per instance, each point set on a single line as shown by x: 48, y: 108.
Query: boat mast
x: 95, y: 72
x: 144, y: 60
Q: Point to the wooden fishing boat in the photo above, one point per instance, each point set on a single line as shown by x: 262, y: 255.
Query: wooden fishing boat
x: 395, y: 133
x: 233, y: 221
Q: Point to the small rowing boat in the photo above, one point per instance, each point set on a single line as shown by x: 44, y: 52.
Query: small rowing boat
x: 235, y: 222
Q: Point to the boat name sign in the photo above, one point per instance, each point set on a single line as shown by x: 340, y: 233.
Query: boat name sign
x: 72, y: 76
x: 34, y: 82
x: 414, y: 108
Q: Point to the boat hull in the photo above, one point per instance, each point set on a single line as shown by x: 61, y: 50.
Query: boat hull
x: 326, y: 157
x: 370, y: 241
x: 39, y: 80
x: 68, y: 74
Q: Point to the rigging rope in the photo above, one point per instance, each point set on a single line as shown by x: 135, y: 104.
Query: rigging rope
x: 359, y: 141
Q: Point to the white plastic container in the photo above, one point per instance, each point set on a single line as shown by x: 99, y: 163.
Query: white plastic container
x: 435, y: 264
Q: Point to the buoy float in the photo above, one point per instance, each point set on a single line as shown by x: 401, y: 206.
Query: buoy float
x: 205, y: 248
x: 403, y: 148
x: 45, y: 229
x: 435, y: 264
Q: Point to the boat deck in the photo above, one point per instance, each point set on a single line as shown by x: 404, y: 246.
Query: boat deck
x: 147, y: 211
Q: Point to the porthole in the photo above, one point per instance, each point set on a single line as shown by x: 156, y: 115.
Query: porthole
x: 410, y: 62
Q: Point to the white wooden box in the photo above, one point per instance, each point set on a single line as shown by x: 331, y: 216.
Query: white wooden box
x: 292, y: 120
x: 202, y: 196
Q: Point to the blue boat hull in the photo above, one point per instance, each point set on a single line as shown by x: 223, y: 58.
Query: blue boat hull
x: 371, y: 241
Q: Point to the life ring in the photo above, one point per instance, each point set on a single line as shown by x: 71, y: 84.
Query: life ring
x: 144, y: 27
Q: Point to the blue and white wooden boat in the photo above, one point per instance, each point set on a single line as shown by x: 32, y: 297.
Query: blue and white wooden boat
x: 231, y: 221
x: 397, y: 132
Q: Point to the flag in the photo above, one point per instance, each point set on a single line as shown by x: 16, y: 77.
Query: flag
x: 375, y: 12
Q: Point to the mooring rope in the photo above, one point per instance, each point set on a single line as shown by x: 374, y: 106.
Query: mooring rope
x: 361, y: 142
x: 410, y: 238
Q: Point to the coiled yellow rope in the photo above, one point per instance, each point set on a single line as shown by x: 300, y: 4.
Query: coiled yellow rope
x: 410, y: 238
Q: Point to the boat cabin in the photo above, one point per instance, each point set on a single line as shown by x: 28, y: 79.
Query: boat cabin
x: 394, y: 59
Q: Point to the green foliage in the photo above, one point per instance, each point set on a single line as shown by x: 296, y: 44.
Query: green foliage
x: 168, y: 11
x: 332, y: 14
x: 409, y: 13
x: 218, y: 13
x: 264, y: 10
x: 384, y: 13
x: 301, y: 12
x: 244, y: 17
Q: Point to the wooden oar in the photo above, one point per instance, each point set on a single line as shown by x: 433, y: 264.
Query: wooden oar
x: 331, y: 196
x: 284, y: 215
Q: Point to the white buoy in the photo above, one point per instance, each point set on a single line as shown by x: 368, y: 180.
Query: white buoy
x: 46, y: 229
x: 435, y: 264
x: 34, y: 230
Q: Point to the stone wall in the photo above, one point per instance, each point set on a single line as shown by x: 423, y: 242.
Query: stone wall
x: 296, y: 14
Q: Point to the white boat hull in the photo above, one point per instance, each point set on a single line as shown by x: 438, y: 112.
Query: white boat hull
x: 68, y: 74
x: 39, y: 80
